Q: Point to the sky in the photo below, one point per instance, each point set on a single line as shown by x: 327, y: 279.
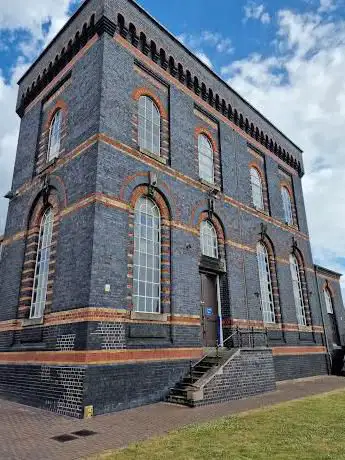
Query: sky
x: 287, y: 58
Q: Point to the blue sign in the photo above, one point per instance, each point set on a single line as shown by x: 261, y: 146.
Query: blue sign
x: 209, y: 311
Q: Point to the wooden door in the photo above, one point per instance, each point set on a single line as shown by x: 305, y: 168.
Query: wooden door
x: 209, y: 306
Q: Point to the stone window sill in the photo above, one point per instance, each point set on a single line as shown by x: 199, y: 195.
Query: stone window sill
x: 261, y: 211
x: 154, y: 156
x: 49, y: 164
x: 141, y: 316
x: 209, y: 184
x: 32, y: 322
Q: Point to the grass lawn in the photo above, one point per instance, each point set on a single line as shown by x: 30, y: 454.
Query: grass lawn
x: 312, y: 428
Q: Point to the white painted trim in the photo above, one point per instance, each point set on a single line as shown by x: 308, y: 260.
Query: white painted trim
x: 220, y: 314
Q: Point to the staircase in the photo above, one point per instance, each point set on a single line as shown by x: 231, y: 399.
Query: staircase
x: 187, y: 391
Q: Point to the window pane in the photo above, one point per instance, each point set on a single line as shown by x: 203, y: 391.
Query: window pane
x: 149, y: 125
x: 287, y: 206
x: 267, y: 303
x: 297, y: 290
x: 257, y: 194
x: 206, y: 159
x: 54, y: 136
x: 39, y: 291
x: 208, y: 239
x: 147, y: 257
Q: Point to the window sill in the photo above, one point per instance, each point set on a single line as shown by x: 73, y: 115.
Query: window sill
x: 261, y: 211
x: 32, y: 322
x: 211, y: 185
x: 154, y: 156
x: 141, y: 316
x: 49, y: 164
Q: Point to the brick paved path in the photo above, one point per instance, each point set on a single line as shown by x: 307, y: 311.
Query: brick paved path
x: 25, y: 432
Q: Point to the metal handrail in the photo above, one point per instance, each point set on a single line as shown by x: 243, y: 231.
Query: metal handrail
x: 209, y: 354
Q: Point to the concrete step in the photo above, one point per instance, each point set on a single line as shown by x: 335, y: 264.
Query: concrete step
x: 177, y: 400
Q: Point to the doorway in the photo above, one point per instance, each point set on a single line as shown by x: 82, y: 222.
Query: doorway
x: 209, y: 307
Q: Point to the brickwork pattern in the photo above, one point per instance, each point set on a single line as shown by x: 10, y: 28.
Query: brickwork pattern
x: 58, y: 389
x: 248, y: 373
x: 111, y: 335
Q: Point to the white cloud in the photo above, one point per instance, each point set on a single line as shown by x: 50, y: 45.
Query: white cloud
x: 256, y: 11
x: 29, y: 17
x: 204, y: 58
x: 301, y: 87
x: 214, y: 40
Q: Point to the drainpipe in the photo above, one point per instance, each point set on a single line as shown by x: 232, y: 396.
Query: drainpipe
x: 323, y: 322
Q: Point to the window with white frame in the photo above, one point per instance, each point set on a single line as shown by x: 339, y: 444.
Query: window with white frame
x: 332, y: 317
x: 54, y: 142
x: 257, y: 194
x: 206, y: 159
x: 149, y: 125
x: 267, y: 302
x: 287, y: 205
x: 147, y: 257
x: 39, y: 291
x: 208, y: 239
x: 297, y: 290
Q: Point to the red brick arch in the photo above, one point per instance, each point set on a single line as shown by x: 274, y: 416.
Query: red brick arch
x: 59, y: 105
x: 139, y: 92
x: 201, y: 130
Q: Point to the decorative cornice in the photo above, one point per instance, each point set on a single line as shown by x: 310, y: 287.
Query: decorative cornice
x: 167, y: 63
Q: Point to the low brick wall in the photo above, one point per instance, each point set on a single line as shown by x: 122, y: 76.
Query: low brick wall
x: 114, y: 388
x: 248, y: 373
x: 300, y: 366
x: 59, y: 389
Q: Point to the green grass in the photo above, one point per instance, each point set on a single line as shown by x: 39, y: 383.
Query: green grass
x: 312, y: 428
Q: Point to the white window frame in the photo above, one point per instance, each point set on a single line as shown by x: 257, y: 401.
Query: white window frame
x: 328, y: 301
x: 40, y: 285
x: 266, y: 289
x: 206, y: 159
x: 257, y: 189
x: 54, y: 142
x: 297, y: 290
x: 287, y: 205
x: 149, y: 125
x: 147, y: 257
x: 208, y: 239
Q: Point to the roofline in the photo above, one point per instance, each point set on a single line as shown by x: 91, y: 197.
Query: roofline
x: 323, y: 269
x: 51, y: 43
x: 164, y: 29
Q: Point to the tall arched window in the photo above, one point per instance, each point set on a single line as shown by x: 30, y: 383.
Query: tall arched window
x: 54, y: 136
x: 206, y: 159
x: 331, y: 316
x: 267, y: 302
x: 287, y: 205
x: 297, y: 290
x: 208, y: 239
x: 147, y: 257
x: 149, y: 125
x: 39, y: 292
x: 257, y: 194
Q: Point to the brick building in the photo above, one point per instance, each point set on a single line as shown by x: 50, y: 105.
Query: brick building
x: 153, y: 213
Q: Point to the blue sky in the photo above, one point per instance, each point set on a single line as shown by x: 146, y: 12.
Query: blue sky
x: 286, y: 57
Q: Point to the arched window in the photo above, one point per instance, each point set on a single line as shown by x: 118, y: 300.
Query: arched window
x: 257, y: 195
x: 331, y: 316
x: 39, y: 291
x: 149, y: 125
x: 208, y: 239
x: 267, y: 302
x: 287, y: 205
x: 206, y: 166
x: 54, y: 136
x: 147, y: 257
x: 297, y: 290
